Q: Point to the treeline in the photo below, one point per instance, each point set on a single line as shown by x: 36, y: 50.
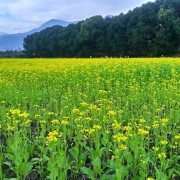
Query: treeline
x: 150, y: 30
x: 12, y: 54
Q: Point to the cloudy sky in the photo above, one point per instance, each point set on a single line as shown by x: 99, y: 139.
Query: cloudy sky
x: 23, y: 15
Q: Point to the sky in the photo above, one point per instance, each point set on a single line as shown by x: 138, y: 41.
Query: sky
x: 23, y: 15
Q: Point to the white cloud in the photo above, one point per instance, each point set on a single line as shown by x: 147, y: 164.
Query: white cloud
x: 23, y: 15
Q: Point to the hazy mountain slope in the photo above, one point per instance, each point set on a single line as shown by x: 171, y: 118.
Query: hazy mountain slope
x: 15, y: 41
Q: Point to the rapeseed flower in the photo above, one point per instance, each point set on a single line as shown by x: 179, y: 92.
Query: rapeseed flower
x: 97, y: 127
x: 155, y: 148
x: 116, y: 125
x: 111, y: 113
x: 120, y: 137
x: 88, y: 119
x: 50, y: 113
x: 76, y: 111
x: 123, y: 147
x: 162, y: 155
x: 84, y: 103
x: 55, y: 121
x: 42, y: 121
x: 14, y: 111
x: 10, y: 128
x: 143, y: 132
x: 102, y: 92
x: 149, y: 178
x: 142, y: 121
x: 36, y: 116
x: 177, y: 137
x: 24, y: 115
x: 53, y: 136
x: 90, y: 131
x: 164, y: 142
x: 127, y: 128
x: 65, y: 122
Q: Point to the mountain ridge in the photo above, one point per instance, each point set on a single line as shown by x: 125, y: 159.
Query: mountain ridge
x: 15, y: 41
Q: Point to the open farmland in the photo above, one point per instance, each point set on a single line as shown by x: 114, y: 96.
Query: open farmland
x: 90, y: 119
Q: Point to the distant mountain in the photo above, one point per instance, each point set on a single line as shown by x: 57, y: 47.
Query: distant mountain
x: 15, y: 41
x: 2, y: 33
x: 51, y: 23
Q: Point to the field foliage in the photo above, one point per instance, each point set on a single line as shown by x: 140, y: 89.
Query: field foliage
x: 90, y: 119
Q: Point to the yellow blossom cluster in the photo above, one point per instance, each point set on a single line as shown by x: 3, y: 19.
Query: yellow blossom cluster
x: 53, y: 136
x: 163, y: 142
x: 55, y: 121
x: 111, y: 113
x: 65, y: 122
x: 162, y: 155
x: 143, y: 132
x: 76, y: 111
x: 120, y: 137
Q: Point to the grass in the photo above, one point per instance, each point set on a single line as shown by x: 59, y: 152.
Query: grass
x: 90, y: 119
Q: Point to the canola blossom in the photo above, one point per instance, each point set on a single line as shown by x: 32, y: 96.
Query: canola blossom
x: 108, y: 118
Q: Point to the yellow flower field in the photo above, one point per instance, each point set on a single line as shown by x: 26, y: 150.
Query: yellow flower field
x: 90, y: 119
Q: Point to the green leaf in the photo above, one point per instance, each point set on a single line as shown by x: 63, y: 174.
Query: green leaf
x: 104, y: 140
x: 104, y: 177
x: 25, y: 168
x: 1, y: 158
x: 88, y: 172
x: 137, y: 178
x: 8, y: 163
x: 177, y: 172
x: 35, y: 160
x: 54, y: 173
x: 74, y: 152
x: 97, y: 165
x: 46, y: 158
x: 128, y: 156
x: 29, y: 167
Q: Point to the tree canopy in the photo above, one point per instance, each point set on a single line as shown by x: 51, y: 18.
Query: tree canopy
x: 147, y: 31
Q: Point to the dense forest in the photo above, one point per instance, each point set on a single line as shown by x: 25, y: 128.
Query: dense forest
x: 147, y: 31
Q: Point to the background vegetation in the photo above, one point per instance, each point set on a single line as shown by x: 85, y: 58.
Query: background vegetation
x: 150, y: 30
x: 12, y: 54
